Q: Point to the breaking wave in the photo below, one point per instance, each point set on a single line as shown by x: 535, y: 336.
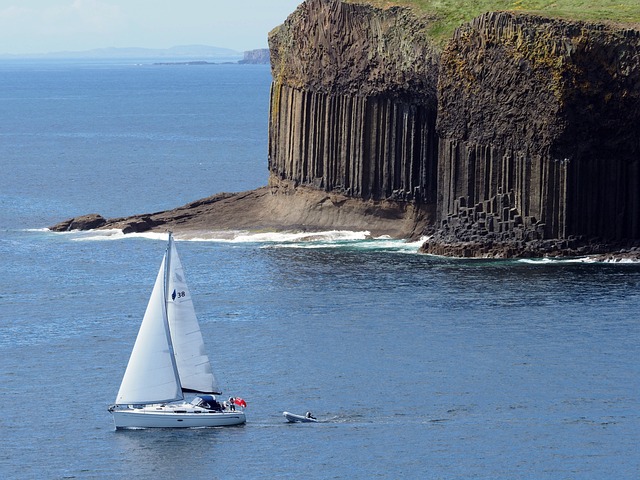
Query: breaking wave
x: 343, y: 239
x: 587, y: 259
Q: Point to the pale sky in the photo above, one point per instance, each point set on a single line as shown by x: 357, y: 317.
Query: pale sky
x: 42, y: 26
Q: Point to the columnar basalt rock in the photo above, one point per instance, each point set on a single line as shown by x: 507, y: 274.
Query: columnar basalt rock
x: 539, y: 125
x: 353, y: 102
x: 538, y: 120
x: 365, y: 147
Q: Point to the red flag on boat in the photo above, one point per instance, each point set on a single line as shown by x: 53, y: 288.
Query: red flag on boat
x: 240, y: 402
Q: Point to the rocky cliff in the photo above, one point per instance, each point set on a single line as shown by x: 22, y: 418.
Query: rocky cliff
x: 255, y: 57
x: 522, y: 133
x: 353, y: 102
x: 539, y: 136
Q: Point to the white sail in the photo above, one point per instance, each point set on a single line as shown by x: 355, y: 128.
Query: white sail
x: 151, y: 375
x: 192, y: 361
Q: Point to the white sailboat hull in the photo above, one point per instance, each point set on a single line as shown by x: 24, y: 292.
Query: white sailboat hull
x: 146, y: 418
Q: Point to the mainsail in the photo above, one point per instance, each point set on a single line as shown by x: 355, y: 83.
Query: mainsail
x: 193, y: 364
x: 151, y: 375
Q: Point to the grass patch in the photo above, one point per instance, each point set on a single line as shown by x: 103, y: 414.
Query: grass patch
x: 450, y: 14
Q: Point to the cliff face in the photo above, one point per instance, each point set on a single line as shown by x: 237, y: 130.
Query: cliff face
x: 539, y: 131
x: 353, y: 102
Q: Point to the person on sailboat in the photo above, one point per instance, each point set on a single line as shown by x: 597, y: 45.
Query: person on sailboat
x: 232, y: 405
x: 215, y: 405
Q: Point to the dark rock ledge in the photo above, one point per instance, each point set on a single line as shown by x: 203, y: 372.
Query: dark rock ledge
x: 596, y: 250
x: 475, y: 232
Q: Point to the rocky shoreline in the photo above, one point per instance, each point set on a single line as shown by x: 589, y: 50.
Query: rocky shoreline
x: 279, y: 206
x: 521, y: 133
x: 285, y: 208
x: 596, y: 251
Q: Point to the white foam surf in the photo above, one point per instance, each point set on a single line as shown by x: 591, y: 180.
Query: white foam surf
x: 108, y: 235
x: 352, y: 240
x: 587, y: 259
x: 328, y: 239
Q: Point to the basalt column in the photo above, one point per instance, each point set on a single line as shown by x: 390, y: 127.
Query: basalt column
x: 367, y: 147
x: 601, y: 141
x: 353, y: 102
x: 539, y: 124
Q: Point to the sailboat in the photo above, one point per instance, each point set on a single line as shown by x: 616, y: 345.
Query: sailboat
x: 169, y: 361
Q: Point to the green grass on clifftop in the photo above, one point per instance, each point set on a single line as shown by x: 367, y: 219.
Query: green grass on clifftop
x: 450, y: 14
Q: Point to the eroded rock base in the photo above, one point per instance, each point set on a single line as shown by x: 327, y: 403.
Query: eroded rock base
x: 281, y: 206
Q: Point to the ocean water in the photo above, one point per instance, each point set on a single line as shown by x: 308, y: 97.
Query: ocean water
x: 417, y: 366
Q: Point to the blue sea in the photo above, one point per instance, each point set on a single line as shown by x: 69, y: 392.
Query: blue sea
x: 417, y: 366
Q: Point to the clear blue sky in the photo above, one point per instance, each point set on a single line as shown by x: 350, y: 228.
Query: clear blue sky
x: 42, y: 26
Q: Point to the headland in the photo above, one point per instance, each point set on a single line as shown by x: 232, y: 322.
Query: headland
x: 515, y: 134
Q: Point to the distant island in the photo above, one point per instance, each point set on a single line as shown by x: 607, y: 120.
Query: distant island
x: 251, y: 57
x: 178, y: 55
x: 259, y: 56
x: 187, y: 52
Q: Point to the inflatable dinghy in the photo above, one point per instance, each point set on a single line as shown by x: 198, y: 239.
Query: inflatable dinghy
x: 292, y: 417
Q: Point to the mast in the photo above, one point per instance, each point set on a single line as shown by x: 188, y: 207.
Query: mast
x: 165, y: 316
x: 151, y: 375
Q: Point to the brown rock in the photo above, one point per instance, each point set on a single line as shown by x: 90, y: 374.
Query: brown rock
x: 83, y: 222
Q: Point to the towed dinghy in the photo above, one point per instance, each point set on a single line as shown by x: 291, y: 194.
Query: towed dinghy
x: 306, y: 418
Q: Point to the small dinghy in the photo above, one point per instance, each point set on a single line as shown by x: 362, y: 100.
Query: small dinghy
x: 292, y: 417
